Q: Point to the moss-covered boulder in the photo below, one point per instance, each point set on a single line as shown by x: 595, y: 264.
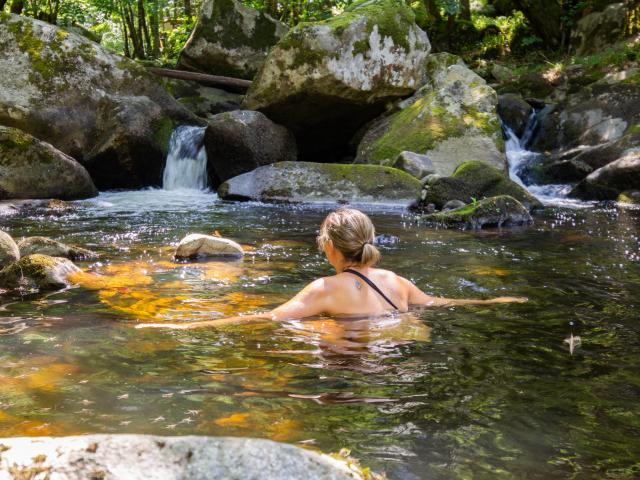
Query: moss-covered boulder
x: 9, y: 251
x: 67, y: 90
x: 30, y: 168
x: 630, y: 197
x: 53, y: 248
x: 202, y: 101
x: 230, y: 39
x: 497, y: 211
x: 324, y: 80
x: 37, y: 272
x: 451, y: 119
x: 243, y: 140
x: 475, y: 180
x: 608, y: 182
x: 305, y: 182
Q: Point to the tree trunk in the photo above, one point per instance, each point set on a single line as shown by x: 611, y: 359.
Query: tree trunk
x: 155, y: 30
x: 17, y: 6
x: 545, y: 18
x: 465, y: 12
x: 134, y: 34
x: 433, y: 10
x: 2, y: 4
x: 142, y: 26
x: 187, y: 8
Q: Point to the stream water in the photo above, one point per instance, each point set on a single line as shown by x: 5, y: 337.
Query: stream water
x: 452, y: 393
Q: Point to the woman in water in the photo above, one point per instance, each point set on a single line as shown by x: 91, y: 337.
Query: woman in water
x: 356, y: 290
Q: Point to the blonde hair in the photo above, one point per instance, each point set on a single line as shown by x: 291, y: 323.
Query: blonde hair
x: 352, y: 234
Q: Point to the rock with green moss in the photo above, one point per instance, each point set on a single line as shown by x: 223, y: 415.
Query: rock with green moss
x: 475, y: 180
x: 451, y: 119
x: 65, y: 89
x: 53, y: 248
x: 306, y: 182
x: 230, y: 39
x: 630, y: 197
x: 324, y: 80
x: 500, y: 211
x: 9, y: 252
x: 37, y: 272
x: 30, y: 168
x: 202, y: 101
x: 608, y: 182
x: 243, y: 140
x: 597, y: 31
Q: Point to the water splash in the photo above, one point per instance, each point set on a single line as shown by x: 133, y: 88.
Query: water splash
x: 186, y: 166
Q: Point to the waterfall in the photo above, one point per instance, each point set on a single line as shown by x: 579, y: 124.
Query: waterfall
x: 186, y: 166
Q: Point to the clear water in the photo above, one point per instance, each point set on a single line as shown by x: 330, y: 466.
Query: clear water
x: 451, y: 393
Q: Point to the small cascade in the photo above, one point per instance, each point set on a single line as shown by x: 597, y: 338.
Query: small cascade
x: 186, y: 166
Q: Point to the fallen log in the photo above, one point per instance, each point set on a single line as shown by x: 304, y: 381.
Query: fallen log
x: 227, y: 83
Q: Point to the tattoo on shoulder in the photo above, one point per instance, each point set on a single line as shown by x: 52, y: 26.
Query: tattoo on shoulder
x: 358, y: 285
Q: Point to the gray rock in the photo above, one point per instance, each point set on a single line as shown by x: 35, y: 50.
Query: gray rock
x: 452, y: 205
x: 324, y: 80
x: 65, y: 90
x: 305, y: 182
x: 598, y: 30
x: 451, y: 119
x: 53, y: 248
x: 9, y: 252
x: 146, y: 457
x: 37, y: 272
x: 230, y: 39
x: 514, y: 112
x: 30, y: 168
x: 240, y: 141
x: 491, y: 212
x: 414, y: 164
x: 608, y: 182
x: 197, y: 245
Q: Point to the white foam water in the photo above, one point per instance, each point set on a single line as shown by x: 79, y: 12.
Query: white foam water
x: 186, y: 166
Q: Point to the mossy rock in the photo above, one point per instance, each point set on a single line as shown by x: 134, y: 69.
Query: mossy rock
x: 451, y: 119
x: 230, y: 39
x: 53, y: 248
x: 306, y: 182
x: 324, y: 80
x: 9, y: 251
x: 476, y: 180
x: 630, y: 197
x: 30, y: 168
x: 500, y: 211
x: 37, y: 272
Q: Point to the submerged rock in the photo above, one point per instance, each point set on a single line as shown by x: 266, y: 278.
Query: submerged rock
x: 53, y: 248
x: 167, y: 458
x: 324, y: 80
x: 68, y: 91
x: 197, y: 245
x: 30, y: 168
x: 497, y: 211
x: 475, y: 180
x: 451, y: 119
x: 608, y: 182
x: 240, y: 141
x: 9, y: 252
x: 230, y: 39
x: 37, y: 271
x: 306, y: 182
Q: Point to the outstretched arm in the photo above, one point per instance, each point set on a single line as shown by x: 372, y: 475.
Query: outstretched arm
x: 309, y: 301
x: 418, y: 297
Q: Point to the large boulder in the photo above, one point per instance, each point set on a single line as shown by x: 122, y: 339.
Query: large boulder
x: 514, y: 112
x: 53, y: 248
x: 202, y: 101
x: 305, y: 182
x: 150, y: 457
x: 243, y: 140
x: 608, y: 182
x: 30, y: 168
x: 9, y: 252
x: 324, y: 80
x: 598, y: 30
x: 198, y: 246
x: 475, y: 180
x: 230, y: 39
x: 491, y: 212
x: 70, y: 92
x: 37, y: 271
x: 451, y: 119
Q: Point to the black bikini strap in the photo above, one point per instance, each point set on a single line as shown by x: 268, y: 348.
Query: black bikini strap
x: 371, y: 284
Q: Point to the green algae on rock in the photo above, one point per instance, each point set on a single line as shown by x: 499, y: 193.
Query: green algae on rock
x: 30, y: 168
x: 306, y: 182
x: 324, y: 80
x: 451, y: 119
x: 53, y: 248
x: 230, y: 39
x: 630, y: 197
x: 499, y: 211
x: 37, y: 272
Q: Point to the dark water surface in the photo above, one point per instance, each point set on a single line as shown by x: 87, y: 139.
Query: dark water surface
x: 474, y: 392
